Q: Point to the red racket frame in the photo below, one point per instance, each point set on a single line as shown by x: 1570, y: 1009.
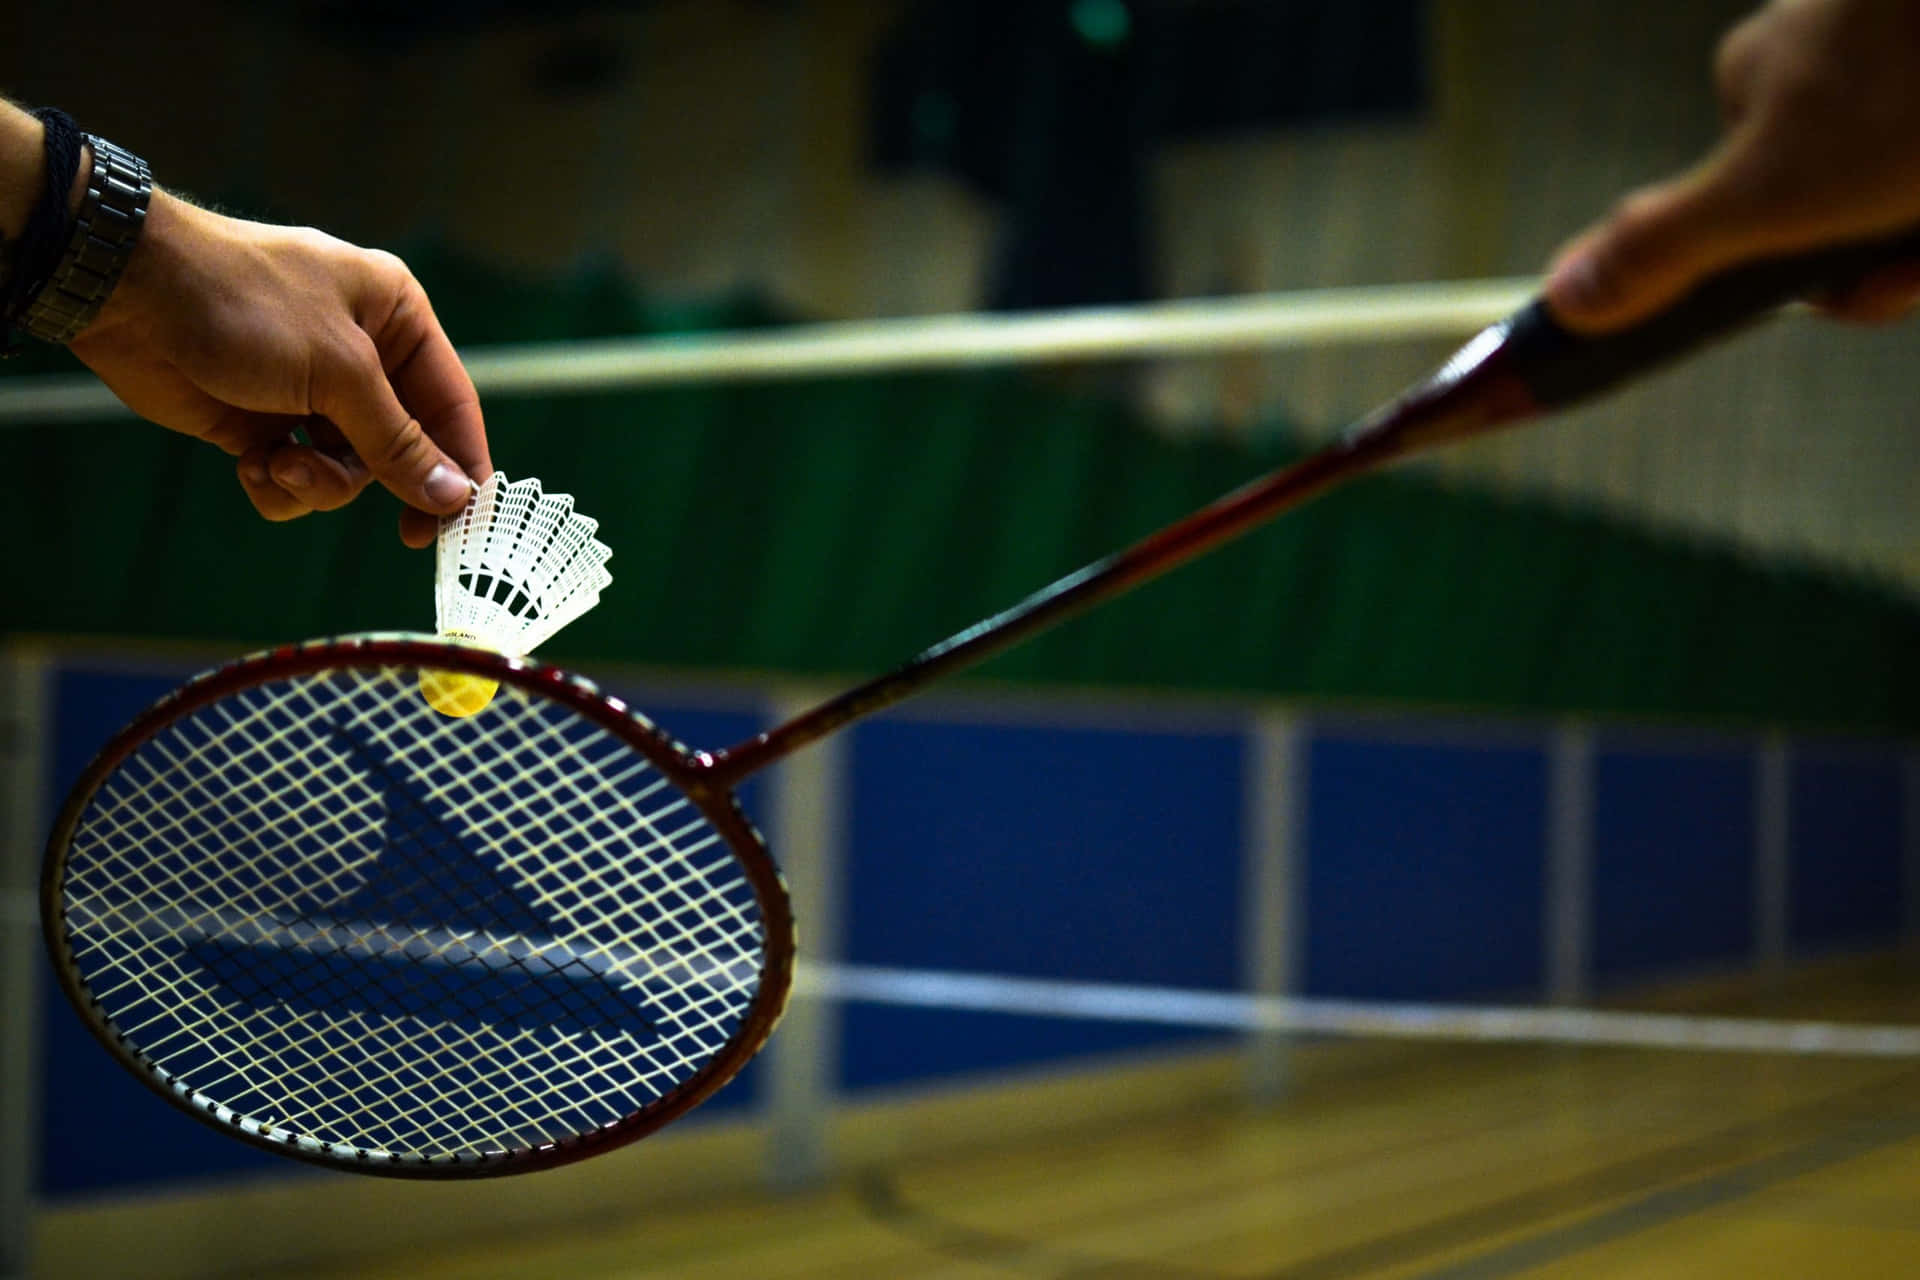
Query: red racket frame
x: 716, y: 803
x: 1511, y: 371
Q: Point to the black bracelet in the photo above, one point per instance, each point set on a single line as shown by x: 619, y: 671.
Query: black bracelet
x: 69, y: 263
x: 111, y: 216
x: 37, y: 252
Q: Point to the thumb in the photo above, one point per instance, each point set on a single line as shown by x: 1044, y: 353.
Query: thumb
x: 1655, y: 246
x: 353, y: 393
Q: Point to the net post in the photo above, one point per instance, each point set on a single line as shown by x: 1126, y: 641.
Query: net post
x: 1772, y: 867
x: 808, y: 808
x: 1568, y: 883
x: 1275, y: 924
x: 24, y: 724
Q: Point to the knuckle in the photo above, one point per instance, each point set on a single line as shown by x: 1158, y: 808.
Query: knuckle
x: 272, y: 502
x: 1636, y: 211
x: 1734, y: 58
x: 386, y: 293
x: 1631, y: 243
x: 388, y: 264
x: 1798, y: 87
x: 407, y: 452
x: 345, y: 353
x: 314, y: 242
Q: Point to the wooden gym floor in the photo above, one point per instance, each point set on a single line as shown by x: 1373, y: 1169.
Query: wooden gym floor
x: 1466, y: 1162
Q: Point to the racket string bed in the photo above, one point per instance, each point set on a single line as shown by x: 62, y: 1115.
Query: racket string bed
x: 392, y: 933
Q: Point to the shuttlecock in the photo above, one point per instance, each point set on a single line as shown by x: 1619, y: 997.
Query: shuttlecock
x: 512, y: 569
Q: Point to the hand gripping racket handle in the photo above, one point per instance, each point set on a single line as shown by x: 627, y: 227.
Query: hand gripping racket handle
x: 1561, y: 368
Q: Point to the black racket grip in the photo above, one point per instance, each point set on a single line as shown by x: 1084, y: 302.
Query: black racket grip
x: 1560, y: 368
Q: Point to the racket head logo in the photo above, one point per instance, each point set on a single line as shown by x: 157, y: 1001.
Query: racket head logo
x: 291, y: 870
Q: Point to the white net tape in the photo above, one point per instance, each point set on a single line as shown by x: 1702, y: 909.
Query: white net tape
x: 332, y: 916
x: 1314, y: 318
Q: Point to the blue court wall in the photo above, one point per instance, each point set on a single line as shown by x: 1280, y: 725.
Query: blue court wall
x: 1425, y: 866
x: 1110, y: 842
x: 1846, y: 846
x: 1674, y: 829
x: 1066, y: 852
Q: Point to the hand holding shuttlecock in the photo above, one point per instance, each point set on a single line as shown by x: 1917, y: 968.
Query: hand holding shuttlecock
x: 512, y: 569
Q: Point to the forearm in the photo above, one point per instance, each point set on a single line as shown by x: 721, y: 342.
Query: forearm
x: 23, y: 168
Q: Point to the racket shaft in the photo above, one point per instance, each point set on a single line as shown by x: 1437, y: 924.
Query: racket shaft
x: 1471, y: 393
x: 1512, y: 371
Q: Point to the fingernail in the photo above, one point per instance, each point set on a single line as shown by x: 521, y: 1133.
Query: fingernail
x: 294, y: 475
x: 255, y: 472
x: 446, y: 486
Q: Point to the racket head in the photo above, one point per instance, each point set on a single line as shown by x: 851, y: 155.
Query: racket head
x: 313, y: 912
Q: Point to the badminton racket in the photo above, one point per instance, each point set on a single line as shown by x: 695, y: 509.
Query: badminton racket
x: 316, y: 914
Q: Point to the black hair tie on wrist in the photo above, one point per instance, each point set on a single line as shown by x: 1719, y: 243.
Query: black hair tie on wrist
x: 51, y: 222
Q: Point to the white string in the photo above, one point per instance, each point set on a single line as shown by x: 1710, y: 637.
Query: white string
x: 1232, y: 1011
x: 382, y: 939
x: 239, y: 826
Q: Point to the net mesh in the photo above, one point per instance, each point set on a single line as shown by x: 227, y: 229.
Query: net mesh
x: 336, y: 919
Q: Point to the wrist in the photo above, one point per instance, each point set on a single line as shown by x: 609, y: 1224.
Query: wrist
x: 22, y: 168
x: 153, y: 270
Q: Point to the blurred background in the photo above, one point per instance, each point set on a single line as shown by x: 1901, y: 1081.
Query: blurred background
x: 1618, y: 706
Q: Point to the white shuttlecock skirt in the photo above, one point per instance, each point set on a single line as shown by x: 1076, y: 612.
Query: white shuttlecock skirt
x: 516, y: 566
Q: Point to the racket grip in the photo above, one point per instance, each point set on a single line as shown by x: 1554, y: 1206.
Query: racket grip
x: 1561, y: 368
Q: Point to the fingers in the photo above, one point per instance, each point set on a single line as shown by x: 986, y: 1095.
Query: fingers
x: 417, y: 528
x: 1822, y: 111
x: 436, y: 384
x: 1737, y: 62
x: 1664, y: 239
x: 1740, y: 205
x: 282, y: 479
x: 352, y: 391
x: 285, y: 480
x: 431, y: 381
x: 1881, y: 298
x: 427, y: 375
x: 233, y: 331
x: 1657, y: 245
